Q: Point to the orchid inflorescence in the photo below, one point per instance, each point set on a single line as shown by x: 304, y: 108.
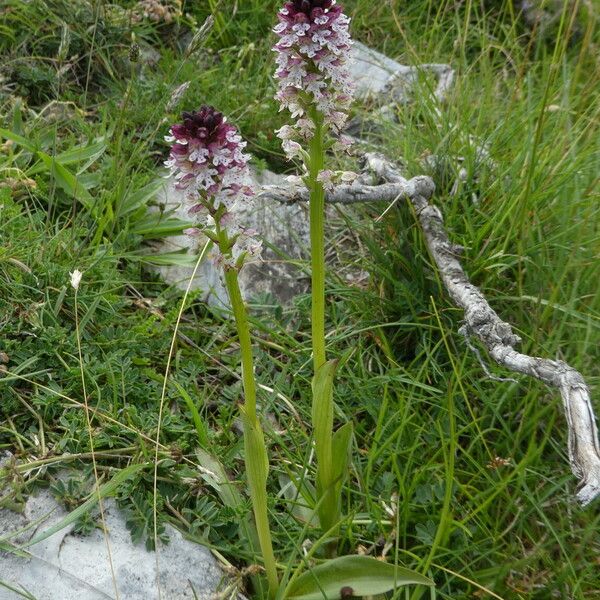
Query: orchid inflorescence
x: 314, y: 79
x: 208, y: 163
x: 313, y: 73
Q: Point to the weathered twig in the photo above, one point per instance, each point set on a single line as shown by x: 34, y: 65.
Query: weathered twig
x: 355, y: 192
x: 480, y: 319
x: 500, y: 341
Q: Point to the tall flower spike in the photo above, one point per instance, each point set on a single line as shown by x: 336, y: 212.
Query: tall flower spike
x: 314, y: 85
x: 312, y: 59
x: 209, y: 165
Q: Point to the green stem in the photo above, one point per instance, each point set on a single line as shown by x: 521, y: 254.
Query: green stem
x: 243, y: 331
x: 256, y: 453
x: 322, y: 395
x: 317, y: 242
x: 108, y: 217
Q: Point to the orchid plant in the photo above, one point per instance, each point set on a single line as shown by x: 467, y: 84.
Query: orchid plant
x: 208, y: 163
x: 314, y: 86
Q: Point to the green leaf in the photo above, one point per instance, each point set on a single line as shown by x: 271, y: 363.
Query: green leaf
x: 84, y: 153
x: 214, y: 474
x: 257, y: 461
x: 104, y: 490
x: 322, y: 419
x: 322, y: 415
x: 18, y: 139
x: 201, y: 430
x: 366, y: 576
x: 89, y: 180
x: 341, y: 451
x: 17, y: 120
x: 66, y: 180
x: 180, y: 258
x: 157, y: 225
x: 301, y: 497
x: 140, y: 197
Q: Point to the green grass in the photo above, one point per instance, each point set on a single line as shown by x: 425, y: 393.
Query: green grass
x: 429, y: 422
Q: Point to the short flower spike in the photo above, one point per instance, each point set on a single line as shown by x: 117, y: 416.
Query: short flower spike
x: 208, y: 162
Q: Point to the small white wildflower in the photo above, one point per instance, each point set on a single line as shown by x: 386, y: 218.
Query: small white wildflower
x: 285, y: 133
x: 343, y: 143
x: 192, y: 231
x: 291, y: 148
x: 76, y: 276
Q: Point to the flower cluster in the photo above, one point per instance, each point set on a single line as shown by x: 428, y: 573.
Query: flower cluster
x: 208, y: 163
x: 312, y: 60
x: 207, y: 159
x: 329, y: 179
x: 158, y: 11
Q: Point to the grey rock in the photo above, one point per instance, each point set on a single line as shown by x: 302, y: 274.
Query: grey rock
x: 383, y: 80
x: 374, y: 74
x: 67, y: 565
x: 281, y: 274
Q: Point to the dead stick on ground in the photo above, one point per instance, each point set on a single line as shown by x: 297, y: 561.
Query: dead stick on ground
x: 480, y: 319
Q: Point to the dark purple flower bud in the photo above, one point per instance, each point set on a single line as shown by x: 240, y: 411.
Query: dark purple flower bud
x: 307, y: 6
x: 207, y: 157
x: 208, y: 163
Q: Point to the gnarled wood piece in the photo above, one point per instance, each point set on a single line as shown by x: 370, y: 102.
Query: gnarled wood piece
x: 500, y: 341
x: 353, y: 193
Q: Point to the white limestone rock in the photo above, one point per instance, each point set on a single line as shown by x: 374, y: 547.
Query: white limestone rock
x: 67, y: 565
x: 383, y: 80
